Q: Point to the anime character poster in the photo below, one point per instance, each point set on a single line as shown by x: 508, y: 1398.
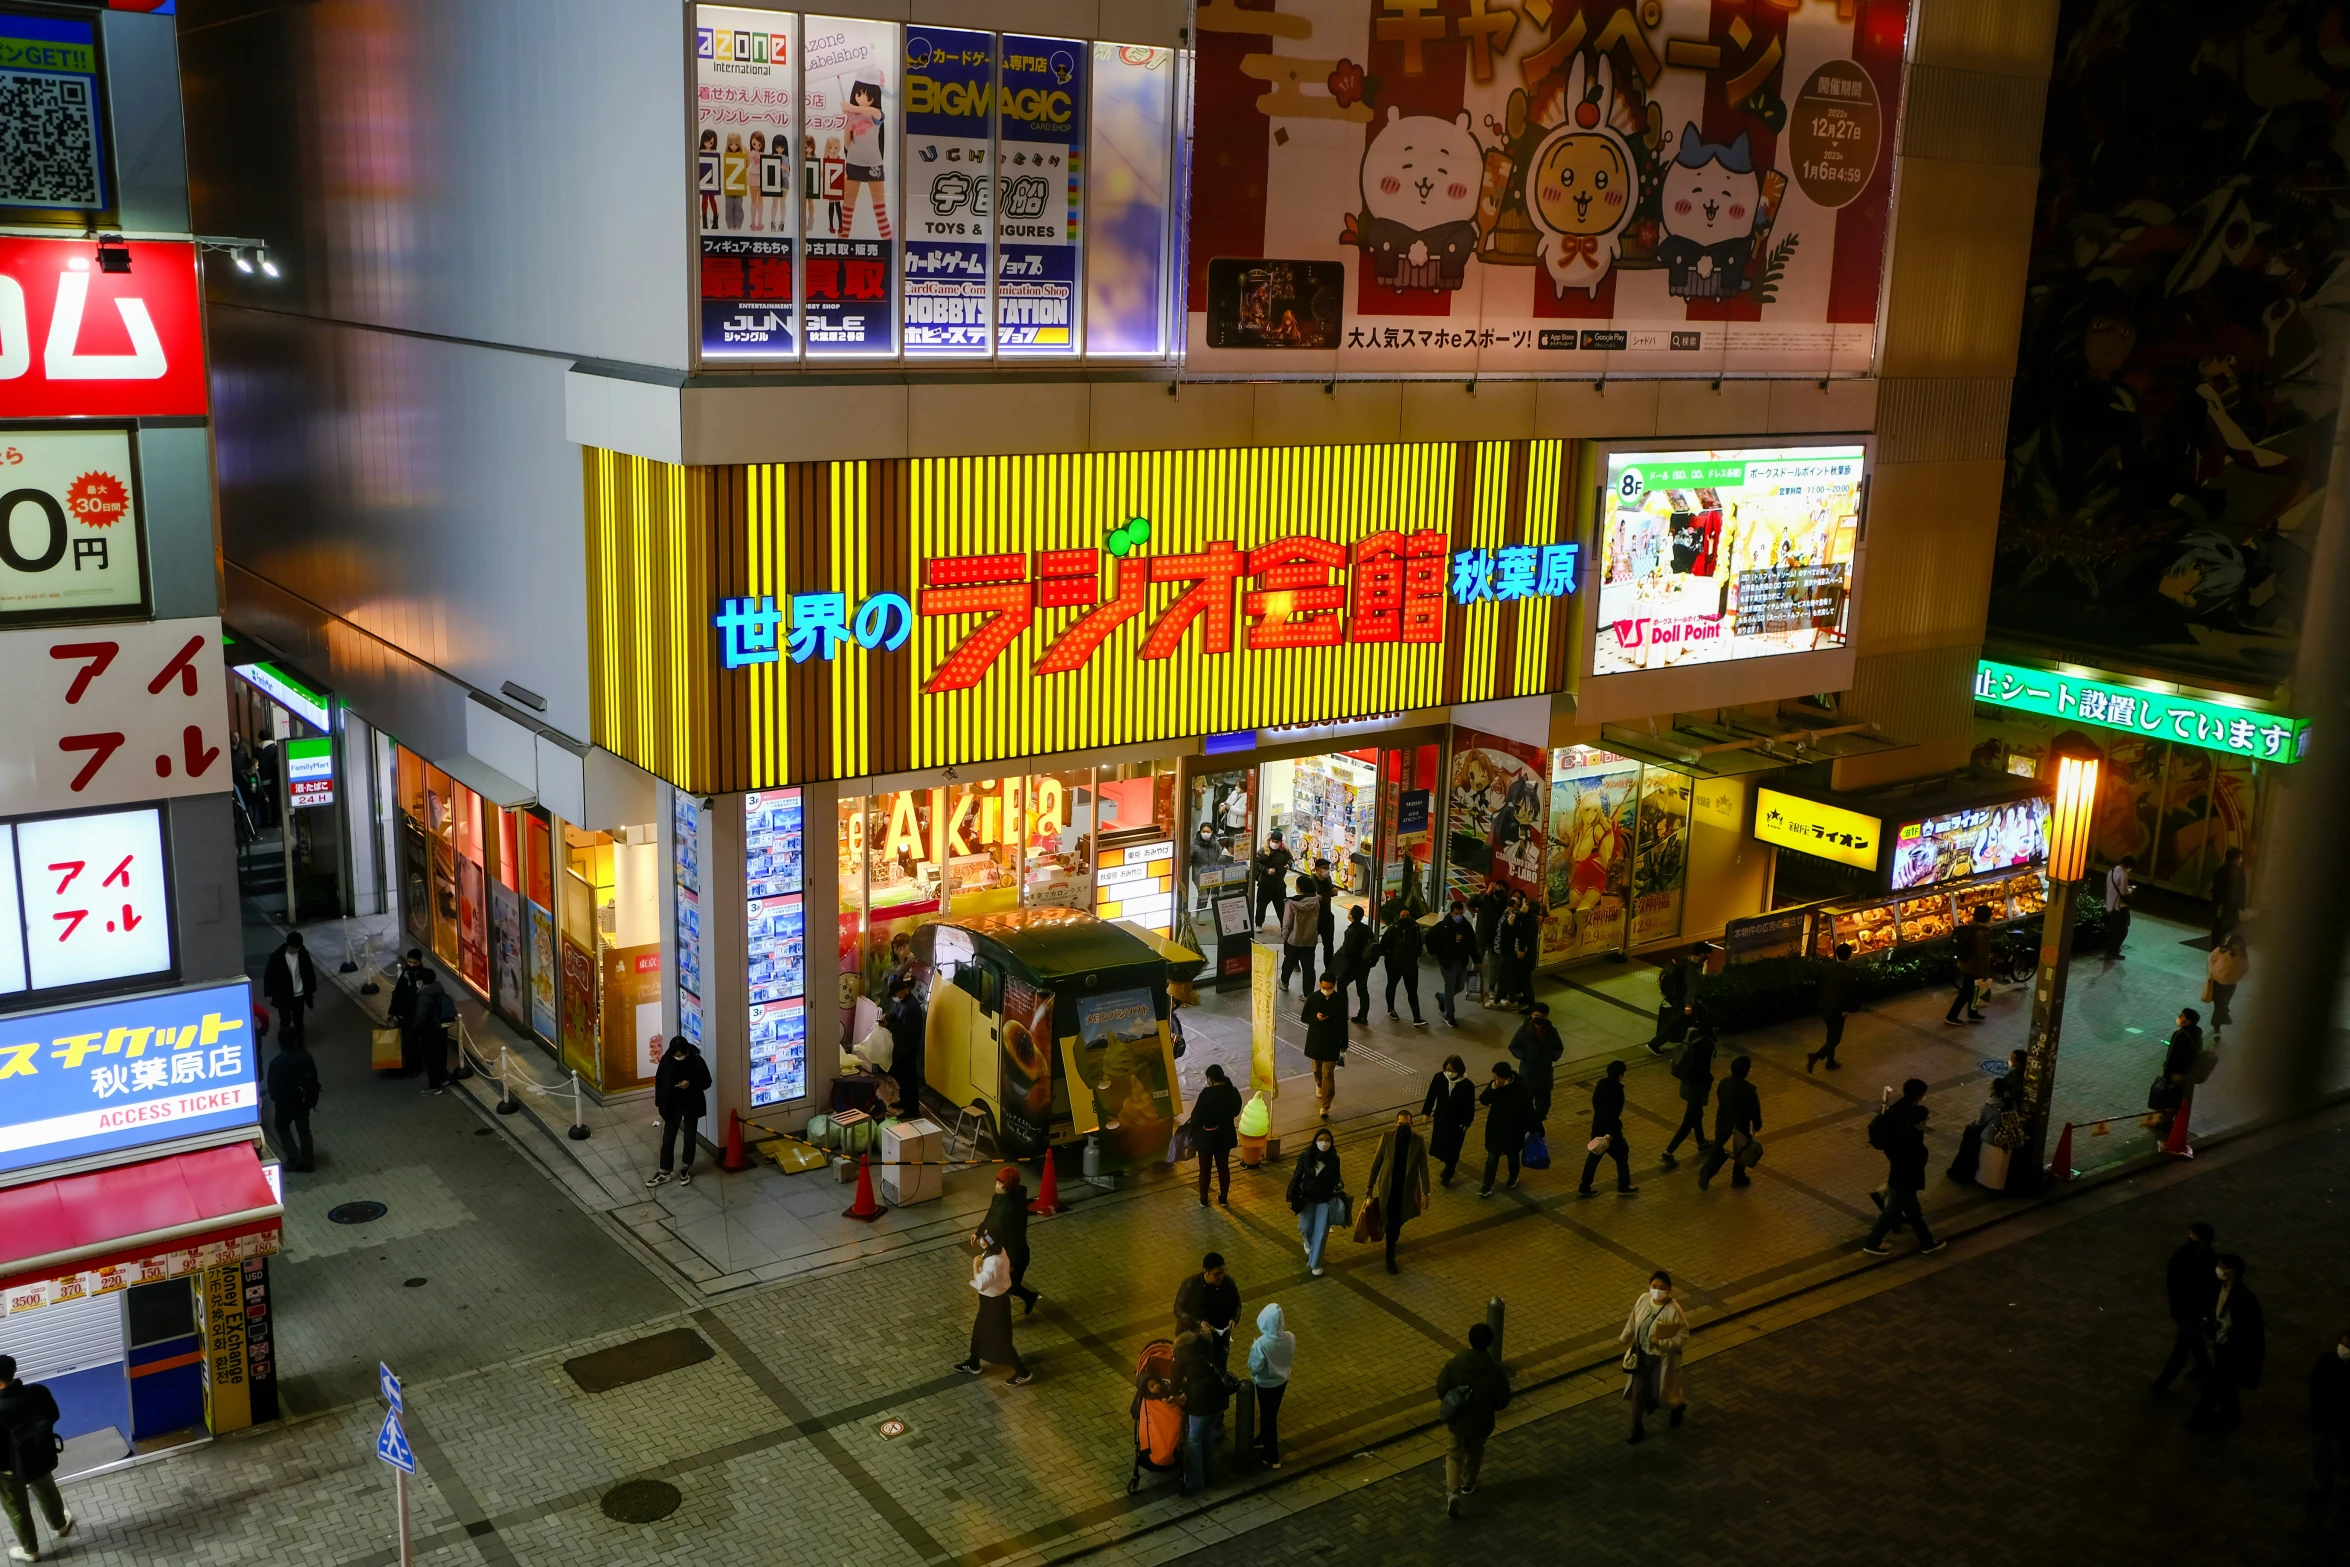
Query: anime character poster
x: 1573, y: 188
x: 1588, y: 879
x: 849, y: 87
x: 746, y: 120
x: 1500, y: 801
x: 1660, y: 855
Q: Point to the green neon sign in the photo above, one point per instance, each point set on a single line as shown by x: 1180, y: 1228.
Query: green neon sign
x: 2156, y: 715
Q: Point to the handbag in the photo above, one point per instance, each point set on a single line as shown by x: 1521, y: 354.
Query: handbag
x: 1536, y: 1154
x: 1370, y: 1226
x: 1179, y: 1147
x: 1749, y: 1151
x: 1346, y: 1208
x: 2162, y: 1094
x: 1634, y: 1357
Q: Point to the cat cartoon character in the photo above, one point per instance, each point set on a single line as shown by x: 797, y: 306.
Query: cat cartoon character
x: 1420, y: 178
x: 1710, y: 202
x: 1582, y: 182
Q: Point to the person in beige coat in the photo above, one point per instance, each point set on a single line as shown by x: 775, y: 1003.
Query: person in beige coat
x: 1399, y: 1179
x: 1654, y: 1336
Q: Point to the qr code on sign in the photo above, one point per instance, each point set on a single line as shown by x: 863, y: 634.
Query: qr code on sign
x: 48, y: 142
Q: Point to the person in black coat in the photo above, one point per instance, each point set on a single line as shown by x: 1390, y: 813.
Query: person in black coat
x: 1399, y: 949
x: 1737, y: 1110
x: 29, y: 1409
x: 908, y: 1022
x: 1673, y: 994
x: 1538, y: 1048
x: 1507, y: 1121
x: 291, y: 985
x: 293, y: 1090
x: 1215, y: 1132
x: 1325, y: 1020
x: 2235, y: 1332
x: 2190, y: 1284
x: 1451, y: 1106
x: 1205, y: 1388
x: 1453, y: 943
x: 1607, y: 1120
x: 1352, y: 966
x: 1899, y: 1131
x: 2329, y: 1417
x: 1521, y: 934
x: 1208, y: 1303
x: 1313, y: 1186
x: 1835, y: 998
x: 1007, y: 1225
x: 1326, y: 888
x: 1490, y: 908
x: 1695, y: 1069
x: 681, y: 1085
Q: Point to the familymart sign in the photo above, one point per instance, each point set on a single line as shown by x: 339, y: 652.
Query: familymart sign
x: 2158, y: 715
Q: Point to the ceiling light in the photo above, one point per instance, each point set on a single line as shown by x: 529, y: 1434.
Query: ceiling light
x: 243, y: 259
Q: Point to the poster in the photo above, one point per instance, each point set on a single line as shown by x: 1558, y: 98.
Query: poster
x: 777, y: 951
x: 1660, y: 863
x: 71, y: 539
x: 778, y: 1052
x: 1026, y: 1066
x: 579, y: 1010
x: 542, y: 974
x: 1587, y: 882
x: 685, y: 873
x: 1040, y: 188
x: 950, y: 83
x: 1499, y: 814
x: 774, y: 843
x: 1707, y: 557
x: 1580, y: 188
x: 1263, y: 997
x: 415, y: 883
x: 745, y: 125
x: 1118, y: 1067
x: 473, y: 926
x: 506, y: 949
x: 849, y: 84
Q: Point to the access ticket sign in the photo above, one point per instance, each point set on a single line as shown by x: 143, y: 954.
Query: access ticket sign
x: 109, y: 714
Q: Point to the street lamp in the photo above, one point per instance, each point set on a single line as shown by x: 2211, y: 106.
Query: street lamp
x: 2068, y: 862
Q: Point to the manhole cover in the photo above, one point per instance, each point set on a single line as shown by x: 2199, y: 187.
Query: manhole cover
x: 356, y: 1212
x: 641, y: 1501
x: 414, y: 1284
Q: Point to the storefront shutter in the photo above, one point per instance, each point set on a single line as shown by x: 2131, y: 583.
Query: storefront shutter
x: 72, y: 1335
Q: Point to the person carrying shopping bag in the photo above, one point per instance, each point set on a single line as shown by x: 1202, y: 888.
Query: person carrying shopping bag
x: 1317, y: 1197
x: 1654, y: 1336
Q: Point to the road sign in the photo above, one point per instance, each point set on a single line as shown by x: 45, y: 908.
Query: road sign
x: 390, y: 1385
x: 391, y: 1444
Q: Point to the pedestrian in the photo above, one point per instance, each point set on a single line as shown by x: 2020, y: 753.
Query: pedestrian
x: 1737, y: 1120
x: 1489, y: 909
x: 1326, y: 889
x: 1325, y: 1021
x: 436, y: 1009
x: 1538, y: 1048
x: 2119, y: 885
x: 2235, y: 1334
x: 900, y: 965
x: 908, y: 1022
x: 1654, y: 1336
x: 1352, y: 966
x: 1523, y: 932
x: 2190, y: 1285
x: 1317, y: 1196
x: 1399, y: 949
x: 1007, y: 1222
x: 1272, y: 870
x: 291, y: 985
x: 400, y: 1012
x: 2004, y: 1099
x: 681, y: 1087
x: 2231, y: 889
x: 2223, y: 972
x: 1206, y: 1389
x: 1453, y: 944
x: 1208, y: 1303
x: 1899, y: 1132
x: 1399, y: 1179
x: 1506, y: 1123
x: 1607, y: 1133
x: 1694, y: 1067
x: 1215, y: 1132
x: 293, y: 1090
x: 1971, y: 948
x: 1451, y: 1106
x: 1471, y: 1390
x: 991, y: 1329
x: 1675, y: 988
x: 1269, y: 1360
x: 2177, y: 1078
x: 28, y: 1448
x: 2329, y: 1418
x: 1835, y: 998
x: 1300, y: 923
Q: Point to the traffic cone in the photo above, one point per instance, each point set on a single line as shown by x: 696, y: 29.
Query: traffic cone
x: 2060, y: 1165
x: 2176, y: 1143
x: 865, y: 1207
x: 1048, y: 1190
x: 734, y: 1158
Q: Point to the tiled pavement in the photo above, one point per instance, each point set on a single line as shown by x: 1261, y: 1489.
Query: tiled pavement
x: 775, y: 1442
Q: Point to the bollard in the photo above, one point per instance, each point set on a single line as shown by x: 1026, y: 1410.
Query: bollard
x: 1244, y: 1427
x: 507, y: 1103
x: 579, y: 1131
x: 1494, y: 1314
x: 350, y: 964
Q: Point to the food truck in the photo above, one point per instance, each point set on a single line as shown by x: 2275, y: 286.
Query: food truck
x: 1054, y: 1024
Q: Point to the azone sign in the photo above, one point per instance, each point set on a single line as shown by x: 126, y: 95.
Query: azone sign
x: 76, y: 342
x: 2155, y: 715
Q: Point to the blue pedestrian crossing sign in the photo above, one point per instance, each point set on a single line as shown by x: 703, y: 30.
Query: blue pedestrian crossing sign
x: 390, y: 1385
x: 391, y: 1444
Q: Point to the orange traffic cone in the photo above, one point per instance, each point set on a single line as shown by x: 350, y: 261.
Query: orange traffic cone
x: 865, y: 1207
x: 2176, y: 1143
x: 734, y: 1158
x: 2060, y: 1164
x: 1048, y: 1190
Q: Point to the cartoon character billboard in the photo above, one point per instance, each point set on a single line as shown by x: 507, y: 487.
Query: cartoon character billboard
x: 1465, y: 186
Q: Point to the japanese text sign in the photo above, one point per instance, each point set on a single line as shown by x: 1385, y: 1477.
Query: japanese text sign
x: 103, y: 715
x: 69, y: 524
x: 1809, y: 827
x: 122, y: 1074
x: 2155, y: 715
x: 76, y: 342
x: 310, y: 770
x: 88, y: 897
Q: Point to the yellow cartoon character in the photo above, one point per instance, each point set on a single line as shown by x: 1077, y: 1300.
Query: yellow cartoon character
x: 1582, y: 183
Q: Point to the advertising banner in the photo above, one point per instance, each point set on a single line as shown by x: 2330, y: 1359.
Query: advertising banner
x: 506, y: 950
x: 2142, y: 711
x: 1594, y: 798
x: 746, y: 126
x: 310, y: 770
x: 1040, y: 188
x: 1970, y: 842
x: 1708, y: 557
x: 849, y: 88
x: 103, y: 715
x: 78, y: 343
x: 57, y: 144
x: 1500, y: 815
x: 125, y: 1073
x: 1388, y: 187
x: 70, y: 527
x: 542, y: 973
x: 950, y: 84
x: 1810, y: 827
x: 83, y: 899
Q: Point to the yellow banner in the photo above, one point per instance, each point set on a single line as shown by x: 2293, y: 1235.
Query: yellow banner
x: 1809, y: 827
x: 1264, y: 986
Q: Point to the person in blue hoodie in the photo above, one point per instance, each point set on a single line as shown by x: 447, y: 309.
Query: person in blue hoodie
x: 1268, y: 1368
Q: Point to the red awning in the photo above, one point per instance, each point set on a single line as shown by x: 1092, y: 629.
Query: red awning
x: 133, y: 1211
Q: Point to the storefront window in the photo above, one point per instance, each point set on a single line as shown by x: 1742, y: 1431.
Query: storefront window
x: 1407, y: 816
x: 1057, y: 829
x: 440, y: 831
x: 1217, y: 818
x: 981, y: 834
x: 1660, y: 864
x: 538, y: 888
x: 1134, y: 870
x: 1323, y: 806
x: 1594, y: 796
x: 905, y: 884
x: 611, y: 930
x: 473, y: 945
x: 852, y: 887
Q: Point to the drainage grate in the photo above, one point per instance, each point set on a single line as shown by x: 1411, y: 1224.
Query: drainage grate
x: 357, y: 1212
x: 641, y: 1501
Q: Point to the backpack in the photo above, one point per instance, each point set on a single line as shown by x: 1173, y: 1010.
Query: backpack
x: 1877, y: 1131
x: 33, y: 1448
x: 444, y: 1008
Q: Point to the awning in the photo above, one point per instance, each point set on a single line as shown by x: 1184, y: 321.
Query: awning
x: 1724, y: 745
x: 105, y: 1230
x: 487, y: 781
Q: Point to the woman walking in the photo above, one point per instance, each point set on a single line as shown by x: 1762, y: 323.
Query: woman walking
x: 1506, y: 1126
x: 2222, y: 975
x: 1268, y: 1368
x: 1654, y: 1336
x: 1451, y: 1106
x: 1215, y: 1132
x: 991, y: 1331
x: 1314, y: 1196
x: 1399, y: 1179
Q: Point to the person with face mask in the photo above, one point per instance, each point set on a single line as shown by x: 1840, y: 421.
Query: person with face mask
x: 1314, y: 1195
x: 2329, y: 1418
x: 2236, y: 1334
x: 1607, y: 1133
x: 1325, y: 1021
x: 1451, y: 1106
x: 1654, y: 1336
x: 1399, y: 1179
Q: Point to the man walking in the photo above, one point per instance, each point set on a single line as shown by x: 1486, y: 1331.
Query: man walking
x: 1695, y: 1069
x: 1471, y: 1390
x: 291, y: 986
x: 28, y: 1450
x: 1899, y: 1131
x: 2119, y: 884
x: 1399, y: 1179
x: 1607, y: 1120
x: 2231, y: 889
x: 1972, y: 948
x: 1453, y: 944
x: 1352, y: 966
x: 1325, y: 1021
x: 1673, y: 991
x: 1208, y: 1303
x: 1007, y: 1225
x: 1491, y: 907
x: 1737, y: 1118
x: 1538, y: 1048
x: 2190, y: 1284
x: 1301, y: 923
x: 1522, y: 933
x: 1835, y: 998
x: 400, y: 1013
x: 435, y: 1011
x: 2236, y: 1333
x: 1272, y: 870
x: 293, y: 1091
x: 681, y: 1086
x: 1326, y: 889
x: 1399, y: 949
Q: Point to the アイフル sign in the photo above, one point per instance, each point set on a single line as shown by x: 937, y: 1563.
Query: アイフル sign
x: 70, y: 532
x: 104, y: 715
x: 83, y: 899
x: 76, y: 342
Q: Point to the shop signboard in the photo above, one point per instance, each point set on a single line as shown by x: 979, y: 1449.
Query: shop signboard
x: 310, y: 770
x: 125, y: 1073
x: 1812, y: 827
x: 746, y: 140
x: 286, y: 692
x: 1786, y: 935
x: 1970, y: 841
x: 2148, y: 713
x: 71, y: 529
x: 1710, y: 557
x: 103, y: 715
x: 1383, y: 188
x: 84, y: 900
x: 255, y: 1244
x: 849, y: 97
x: 77, y: 342
x: 1042, y: 88
x: 950, y: 92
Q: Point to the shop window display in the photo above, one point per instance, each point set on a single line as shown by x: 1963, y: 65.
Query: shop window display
x: 612, y: 1030
x: 1134, y: 865
x: 1220, y: 809
x: 538, y: 891
x: 1057, y: 830
x: 473, y: 925
x: 1323, y: 807
x: 1660, y: 864
x: 1594, y: 799
x: 506, y: 936
x: 1499, y: 817
x: 1407, y: 826
x: 440, y: 834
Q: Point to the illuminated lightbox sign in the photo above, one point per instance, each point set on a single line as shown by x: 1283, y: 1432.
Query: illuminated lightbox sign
x: 83, y: 900
x: 1973, y: 841
x: 1709, y: 557
x: 310, y: 770
x: 289, y: 693
x: 1810, y: 827
x: 2155, y: 715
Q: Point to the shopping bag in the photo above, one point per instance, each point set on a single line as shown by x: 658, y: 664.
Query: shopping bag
x: 384, y: 1050
x: 1370, y: 1227
x: 1536, y: 1154
x: 1179, y: 1145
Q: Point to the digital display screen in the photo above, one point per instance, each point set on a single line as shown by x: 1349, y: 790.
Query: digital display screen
x: 1970, y: 842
